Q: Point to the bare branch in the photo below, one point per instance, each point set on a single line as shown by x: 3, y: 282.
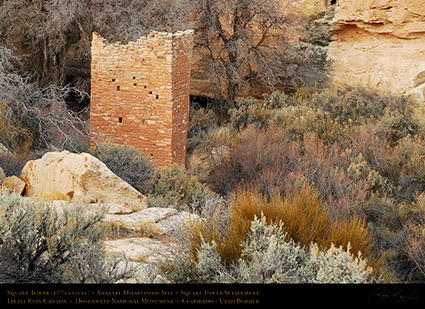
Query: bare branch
x: 34, y: 117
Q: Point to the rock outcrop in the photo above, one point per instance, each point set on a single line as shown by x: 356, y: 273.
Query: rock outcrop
x: 380, y: 44
x: 152, y: 221
x: 145, y: 239
x: 79, y: 177
x: 13, y: 184
x: 154, y: 236
x: 2, y: 175
x: 312, y: 7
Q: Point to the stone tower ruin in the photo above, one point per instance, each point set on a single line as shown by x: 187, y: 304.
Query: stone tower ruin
x: 140, y: 94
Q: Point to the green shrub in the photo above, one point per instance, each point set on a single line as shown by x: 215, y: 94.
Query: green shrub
x: 304, y: 217
x: 127, y: 163
x: 301, y: 120
x: 255, y: 112
x: 395, y: 227
x: 39, y: 244
x: 272, y: 161
x: 212, y: 150
x: 359, y: 103
x: 396, y: 171
x: 172, y: 187
x: 361, y: 150
x: 410, y: 153
x: 337, y: 265
x: 267, y: 256
x: 330, y: 113
x: 201, y: 122
x: 271, y: 149
x: 394, y: 115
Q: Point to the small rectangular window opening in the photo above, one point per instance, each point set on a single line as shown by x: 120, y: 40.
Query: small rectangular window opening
x: 120, y: 119
x: 118, y: 88
x: 157, y: 97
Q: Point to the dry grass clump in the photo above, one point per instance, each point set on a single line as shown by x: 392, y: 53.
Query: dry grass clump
x: 303, y: 218
x: 221, y: 240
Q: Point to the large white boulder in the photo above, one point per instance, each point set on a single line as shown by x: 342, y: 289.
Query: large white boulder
x: 79, y: 177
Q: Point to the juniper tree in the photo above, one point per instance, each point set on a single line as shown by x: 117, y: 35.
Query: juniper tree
x: 245, y: 45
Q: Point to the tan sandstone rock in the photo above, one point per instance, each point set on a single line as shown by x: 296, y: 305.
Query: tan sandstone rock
x: 156, y: 235
x: 2, y: 175
x: 140, y: 249
x: 311, y: 7
x: 79, y: 177
x: 13, y: 184
x: 153, y: 222
x: 380, y: 44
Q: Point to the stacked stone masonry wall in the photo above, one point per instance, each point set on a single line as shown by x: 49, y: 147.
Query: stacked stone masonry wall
x: 140, y: 94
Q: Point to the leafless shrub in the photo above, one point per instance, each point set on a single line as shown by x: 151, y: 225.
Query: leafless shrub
x: 8, y: 59
x: 415, y: 249
x: 32, y: 116
x: 56, y: 34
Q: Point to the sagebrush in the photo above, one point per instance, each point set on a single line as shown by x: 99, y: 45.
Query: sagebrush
x: 268, y: 256
x: 42, y: 244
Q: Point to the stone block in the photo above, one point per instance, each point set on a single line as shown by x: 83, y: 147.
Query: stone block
x: 13, y: 184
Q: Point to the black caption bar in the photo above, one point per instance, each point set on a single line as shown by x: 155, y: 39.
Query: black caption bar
x: 208, y: 294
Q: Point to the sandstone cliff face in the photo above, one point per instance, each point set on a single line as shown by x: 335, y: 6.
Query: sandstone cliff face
x: 380, y: 44
x: 311, y: 7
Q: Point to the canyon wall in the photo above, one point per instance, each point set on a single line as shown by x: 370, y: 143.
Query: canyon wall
x: 380, y: 44
x: 312, y: 7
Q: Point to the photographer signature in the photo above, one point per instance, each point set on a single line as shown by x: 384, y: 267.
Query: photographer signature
x: 393, y: 294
